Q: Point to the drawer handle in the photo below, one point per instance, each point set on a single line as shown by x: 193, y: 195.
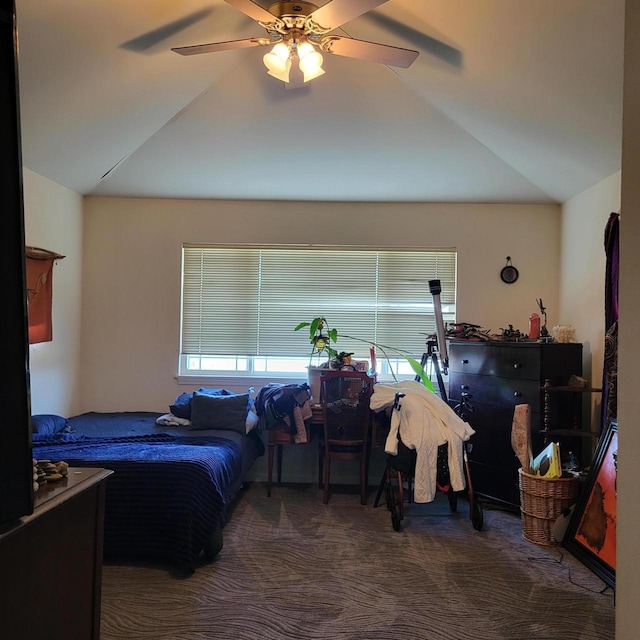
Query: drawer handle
x: 464, y: 362
x: 464, y: 387
x: 517, y: 394
x: 516, y: 365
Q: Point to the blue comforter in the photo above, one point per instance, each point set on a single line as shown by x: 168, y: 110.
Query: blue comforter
x: 168, y: 496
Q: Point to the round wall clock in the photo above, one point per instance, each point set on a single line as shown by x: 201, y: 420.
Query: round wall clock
x: 509, y: 273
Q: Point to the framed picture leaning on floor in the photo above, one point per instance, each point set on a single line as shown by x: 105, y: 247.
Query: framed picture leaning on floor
x: 591, y: 534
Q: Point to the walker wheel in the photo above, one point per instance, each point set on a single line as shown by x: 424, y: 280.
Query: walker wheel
x: 477, y: 516
x: 388, y: 495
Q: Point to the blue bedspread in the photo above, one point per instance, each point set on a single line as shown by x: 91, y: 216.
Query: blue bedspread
x: 168, y: 496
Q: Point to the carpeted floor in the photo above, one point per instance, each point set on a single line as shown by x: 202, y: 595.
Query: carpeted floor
x: 293, y: 568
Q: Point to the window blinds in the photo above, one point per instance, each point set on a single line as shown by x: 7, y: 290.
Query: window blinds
x: 247, y: 301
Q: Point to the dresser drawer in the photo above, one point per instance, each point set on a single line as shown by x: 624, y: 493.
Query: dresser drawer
x: 503, y: 392
x: 504, y: 361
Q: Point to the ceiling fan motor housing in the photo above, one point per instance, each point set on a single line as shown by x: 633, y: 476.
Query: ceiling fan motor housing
x: 292, y: 9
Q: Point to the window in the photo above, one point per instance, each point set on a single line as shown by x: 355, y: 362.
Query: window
x: 240, y: 305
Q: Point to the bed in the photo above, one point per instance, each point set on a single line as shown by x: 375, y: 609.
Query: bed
x: 172, y: 487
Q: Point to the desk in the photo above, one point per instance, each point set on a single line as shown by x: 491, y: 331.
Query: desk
x: 315, y: 425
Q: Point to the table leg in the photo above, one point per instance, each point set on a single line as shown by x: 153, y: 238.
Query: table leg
x: 279, y: 463
x: 270, y: 446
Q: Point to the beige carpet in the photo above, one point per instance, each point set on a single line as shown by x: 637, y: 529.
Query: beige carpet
x: 294, y: 568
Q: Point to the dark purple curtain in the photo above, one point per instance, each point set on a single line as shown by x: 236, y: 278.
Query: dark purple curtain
x: 610, y: 373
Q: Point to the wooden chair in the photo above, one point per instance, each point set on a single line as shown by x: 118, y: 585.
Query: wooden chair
x: 345, y: 398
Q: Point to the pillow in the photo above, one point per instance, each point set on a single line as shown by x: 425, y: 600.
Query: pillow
x: 181, y: 408
x: 216, y: 392
x: 48, y: 423
x: 219, y: 411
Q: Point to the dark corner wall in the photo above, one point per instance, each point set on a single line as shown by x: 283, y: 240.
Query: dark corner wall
x: 16, y: 467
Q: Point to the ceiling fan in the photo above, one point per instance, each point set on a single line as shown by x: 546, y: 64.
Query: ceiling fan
x: 299, y: 31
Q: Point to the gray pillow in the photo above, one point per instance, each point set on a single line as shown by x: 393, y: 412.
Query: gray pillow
x: 219, y: 412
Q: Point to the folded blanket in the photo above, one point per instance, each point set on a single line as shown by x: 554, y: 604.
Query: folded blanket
x: 171, y: 420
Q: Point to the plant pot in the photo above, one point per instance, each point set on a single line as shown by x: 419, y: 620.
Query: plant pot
x: 313, y: 378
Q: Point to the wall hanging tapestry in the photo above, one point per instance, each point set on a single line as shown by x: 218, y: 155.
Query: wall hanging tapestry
x: 609, y: 406
x: 39, y: 263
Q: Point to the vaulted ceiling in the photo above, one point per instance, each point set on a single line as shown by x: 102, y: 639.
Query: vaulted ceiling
x: 508, y: 101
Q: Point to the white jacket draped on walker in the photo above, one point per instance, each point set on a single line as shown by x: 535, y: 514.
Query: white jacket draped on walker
x: 424, y: 422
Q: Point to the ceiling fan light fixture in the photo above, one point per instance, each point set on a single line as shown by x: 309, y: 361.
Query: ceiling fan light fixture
x: 281, y: 73
x: 281, y: 51
x: 311, y: 75
x: 310, y: 61
x: 278, y: 62
x: 298, y: 29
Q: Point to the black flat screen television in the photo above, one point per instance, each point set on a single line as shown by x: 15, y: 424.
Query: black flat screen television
x: 16, y: 466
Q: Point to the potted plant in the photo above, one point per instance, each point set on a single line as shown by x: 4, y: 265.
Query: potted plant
x: 321, y: 337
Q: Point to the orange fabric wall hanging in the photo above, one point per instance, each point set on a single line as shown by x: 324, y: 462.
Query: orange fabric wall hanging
x: 39, y: 263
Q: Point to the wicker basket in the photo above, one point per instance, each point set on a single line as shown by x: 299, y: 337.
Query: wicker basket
x: 542, y: 501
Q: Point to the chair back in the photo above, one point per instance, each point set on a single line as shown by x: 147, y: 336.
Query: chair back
x: 345, y: 399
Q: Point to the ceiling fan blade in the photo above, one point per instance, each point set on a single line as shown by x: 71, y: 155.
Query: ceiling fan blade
x: 253, y: 10
x: 371, y: 51
x: 337, y: 12
x: 152, y: 38
x: 423, y: 41
x: 220, y: 46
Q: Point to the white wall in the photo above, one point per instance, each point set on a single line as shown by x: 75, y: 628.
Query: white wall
x: 628, y: 550
x: 53, y: 221
x: 131, y: 287
x: 582, y: 273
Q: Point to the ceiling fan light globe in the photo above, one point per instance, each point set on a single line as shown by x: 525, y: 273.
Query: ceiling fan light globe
x: 315, y: 74
x: 311, y: 65
x: 310, y: 62
x: 275, y: 63
x: 281, y: 50
x: 279, y: 70
x: 305, y: 48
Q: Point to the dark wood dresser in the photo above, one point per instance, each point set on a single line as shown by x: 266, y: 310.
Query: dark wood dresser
x: 497, y: 376
x: 51, y: 562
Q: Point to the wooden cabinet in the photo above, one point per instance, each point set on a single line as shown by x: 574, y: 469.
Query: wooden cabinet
x: 497, y: 376
x: 51, y: 562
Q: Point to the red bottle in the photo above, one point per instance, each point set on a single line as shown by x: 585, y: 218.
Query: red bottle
x: 534, y: 326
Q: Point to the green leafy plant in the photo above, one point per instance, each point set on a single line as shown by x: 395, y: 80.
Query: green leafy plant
x: 321, y: 337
